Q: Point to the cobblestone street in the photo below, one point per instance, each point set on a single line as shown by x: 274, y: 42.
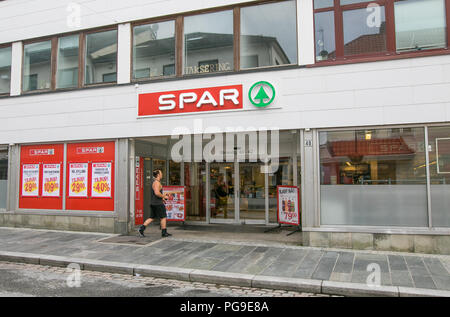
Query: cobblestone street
x: 19, y: 279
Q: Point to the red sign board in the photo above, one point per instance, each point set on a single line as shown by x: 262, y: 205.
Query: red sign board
x: 191, y: 100
x: 139, y: 189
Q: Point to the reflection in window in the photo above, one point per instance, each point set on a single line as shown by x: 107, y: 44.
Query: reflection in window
x: 319, y: 4
x: 325, y: 40
x: 439, y: 140
x: 208, y: 38
x: 3, y: 177
x: 153, y: 48
x: 37, y: 66
x: 101, y: 57
x: 364, y: 31
x: 5, y: 70
x: 373, y: 177
x: 420, y: 24
x: 67, y: 68
x: 269, y: 32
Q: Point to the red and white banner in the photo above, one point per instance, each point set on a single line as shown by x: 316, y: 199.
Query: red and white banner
x: 78, y: 179
x: 288, y: 198
x: 191, y: 100
x: 139, y: 189
x: 51, y: 175
x: 101, y: 180
x: 38, y: 152
x: 30, y: 180
x: 175, y: 205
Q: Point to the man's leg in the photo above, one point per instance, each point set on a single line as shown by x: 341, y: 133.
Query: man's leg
x: 142, y: 227
x: 164, y: 228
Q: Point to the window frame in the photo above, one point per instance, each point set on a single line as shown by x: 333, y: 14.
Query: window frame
x: 52, y: 40
x: 391, y: 50
x: 82, y: 51
x: 5, y: 94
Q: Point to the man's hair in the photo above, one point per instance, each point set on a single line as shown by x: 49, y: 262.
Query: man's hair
x: 156, y: 173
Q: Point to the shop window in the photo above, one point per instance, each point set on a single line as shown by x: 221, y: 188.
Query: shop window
x: 373, y: 178
x: 269, y: 32
x: 320, y: 4
x: 439, y: 141
x: 3, y: 177
x: 101, y: 57
x: 169, y: 70
x: 37, y: 66
x: 67, y: 62
x: 420, y: 25
x: 153, y: 48
x: 209, y: 37
x: 5, y: 70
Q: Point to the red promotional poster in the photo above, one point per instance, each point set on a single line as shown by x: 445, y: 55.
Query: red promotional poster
x: 192, y: 100
x: 288, y: 205
x: 139, y: 190
x: 175, y: 205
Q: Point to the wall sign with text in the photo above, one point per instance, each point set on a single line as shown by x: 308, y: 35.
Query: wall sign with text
x: 288, y: 198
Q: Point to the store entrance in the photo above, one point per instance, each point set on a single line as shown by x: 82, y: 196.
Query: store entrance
x: 237, y: 191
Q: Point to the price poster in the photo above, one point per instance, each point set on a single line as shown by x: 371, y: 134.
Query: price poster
x: 288, y: 205
x: 30, y: 180
x: 78, y: 178
x: 101, y: 180
x: 175, y: 205
x: 51, y: 175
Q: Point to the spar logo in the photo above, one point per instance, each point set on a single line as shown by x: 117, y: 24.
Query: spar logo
x: 191, y: 100
x: 261, y: 94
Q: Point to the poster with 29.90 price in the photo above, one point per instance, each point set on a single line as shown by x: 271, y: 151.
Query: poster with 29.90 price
x: 30, y: 180
x: 78, y: 179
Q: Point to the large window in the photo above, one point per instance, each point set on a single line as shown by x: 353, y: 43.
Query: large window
x: 37, y: 66
x: 101, y: 57
x: 3, y: 176
x: 153, y: 50
x: 359, y: 28
x: 208, y: 43
x: 439, y: 141
x: 5, y: 70
x: 67, y: 62
x: 373, y: 177
x: 268, y: 35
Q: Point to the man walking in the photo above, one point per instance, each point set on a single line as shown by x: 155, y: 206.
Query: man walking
x: 157, y: 207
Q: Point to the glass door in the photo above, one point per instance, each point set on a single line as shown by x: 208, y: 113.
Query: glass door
x: 222, y: 192
x: 252, y: 193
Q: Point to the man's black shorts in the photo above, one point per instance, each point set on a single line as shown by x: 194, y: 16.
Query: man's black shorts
x: 158, y: 211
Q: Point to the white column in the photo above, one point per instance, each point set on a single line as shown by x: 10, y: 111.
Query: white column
x: 124, y: 53
x: 305, y: 16
x: 16, y: 68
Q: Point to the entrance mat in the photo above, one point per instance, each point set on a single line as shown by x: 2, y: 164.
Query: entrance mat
x: 133, y: 239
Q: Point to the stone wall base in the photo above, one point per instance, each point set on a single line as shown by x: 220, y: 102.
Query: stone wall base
x: 433, y: 244
x: 63, y: 222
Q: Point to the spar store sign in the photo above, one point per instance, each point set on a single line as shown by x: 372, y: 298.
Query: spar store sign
x: 190, y: 101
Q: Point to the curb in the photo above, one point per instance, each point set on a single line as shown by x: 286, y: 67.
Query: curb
x: 225, y: 278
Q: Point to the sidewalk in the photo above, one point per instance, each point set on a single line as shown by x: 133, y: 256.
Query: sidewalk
x: 232, y: 262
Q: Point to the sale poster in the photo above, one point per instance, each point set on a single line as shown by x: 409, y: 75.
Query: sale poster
x: 288, y: 205
x: 139, y: 190
x: 51, y: 175
x: 30, y: 180
x: 101, y: 180
x: 78, y: 178
x: 175, y: 205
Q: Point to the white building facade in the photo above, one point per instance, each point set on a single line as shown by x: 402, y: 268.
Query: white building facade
x: 356, y: 105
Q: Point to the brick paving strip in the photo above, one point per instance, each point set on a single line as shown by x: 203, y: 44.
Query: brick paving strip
x: 288, y: 268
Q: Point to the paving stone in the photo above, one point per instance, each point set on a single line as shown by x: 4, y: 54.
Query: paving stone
x: 361, y: 265
x: 397, y: 263
x: 435, y: 267
x: 308, y: 264
x: 442, y: 282
x: 401, y: 278
x: 423, y: 282
x: 340, y: 277
x: 325, y: 266
x: 344, y: 263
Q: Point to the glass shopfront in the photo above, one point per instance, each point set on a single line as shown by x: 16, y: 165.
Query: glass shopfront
x: 3, y: 176
x: 236, y: 186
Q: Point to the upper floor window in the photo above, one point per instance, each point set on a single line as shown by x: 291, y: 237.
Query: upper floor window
x: 209, y: 43
x: 154, y: 50
x: 67, y: 62
x: 101, y: 57
x: 37, y: 66
x: 268, y: 35
x: 5, y: 70
x: 349, y: 28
